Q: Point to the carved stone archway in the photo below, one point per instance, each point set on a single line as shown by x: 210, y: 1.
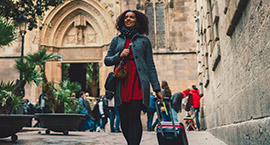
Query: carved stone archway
x: 80, y: 31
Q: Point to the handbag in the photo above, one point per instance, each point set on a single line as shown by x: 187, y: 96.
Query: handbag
x: 110, y: 83
x: 120, y: 71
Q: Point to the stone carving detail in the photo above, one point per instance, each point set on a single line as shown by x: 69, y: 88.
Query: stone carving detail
x: 78, y: 35
x: 80, y: 24
x: 91, y: 35
x: 105, y: 5
x: 111, y: 13
x: 70, y: 39
x: 80, y: 21
x: 91, y: 38
x: 93, y: 15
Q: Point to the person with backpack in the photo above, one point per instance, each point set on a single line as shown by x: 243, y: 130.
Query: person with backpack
x: 103, y: 111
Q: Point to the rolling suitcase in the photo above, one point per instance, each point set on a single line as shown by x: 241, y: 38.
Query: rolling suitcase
x: 170, y: 132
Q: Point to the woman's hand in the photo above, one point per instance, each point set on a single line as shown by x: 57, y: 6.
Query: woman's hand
x: 160, y: 96
x: 124, y: 53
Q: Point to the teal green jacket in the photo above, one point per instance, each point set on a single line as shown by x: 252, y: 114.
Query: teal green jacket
x: 143, y: 57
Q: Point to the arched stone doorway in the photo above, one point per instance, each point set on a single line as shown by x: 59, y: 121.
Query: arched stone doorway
x: 80, y: 31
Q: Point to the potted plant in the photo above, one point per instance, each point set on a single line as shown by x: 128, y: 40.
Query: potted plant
x: 10, y: 123
x: 11, y: 118
x: 64, y: 116
x: 10, y: 93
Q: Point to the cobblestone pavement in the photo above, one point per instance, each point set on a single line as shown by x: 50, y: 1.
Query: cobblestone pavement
x: 31, y: 136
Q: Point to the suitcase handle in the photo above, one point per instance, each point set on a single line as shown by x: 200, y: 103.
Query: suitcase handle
x: 166, y: 99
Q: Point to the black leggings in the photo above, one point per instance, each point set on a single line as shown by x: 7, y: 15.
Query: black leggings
x: 130, y: 117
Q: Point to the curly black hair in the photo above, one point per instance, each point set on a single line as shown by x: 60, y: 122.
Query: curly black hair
x: 142, y: 21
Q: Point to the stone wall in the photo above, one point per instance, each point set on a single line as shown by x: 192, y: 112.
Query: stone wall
x: 181, y: 26
x: 233, y: 57
x: 179, y: 70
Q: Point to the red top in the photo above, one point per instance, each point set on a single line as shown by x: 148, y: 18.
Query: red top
x: 195, y: 98
x: 130, y: 87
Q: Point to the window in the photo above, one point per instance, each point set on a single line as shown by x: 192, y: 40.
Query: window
x: 156, y: 15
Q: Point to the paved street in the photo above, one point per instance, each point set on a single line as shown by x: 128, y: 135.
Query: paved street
x: 30, y: 136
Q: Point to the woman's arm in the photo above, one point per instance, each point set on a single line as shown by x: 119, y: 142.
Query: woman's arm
x: 152, y: 73
x: 112, y: 56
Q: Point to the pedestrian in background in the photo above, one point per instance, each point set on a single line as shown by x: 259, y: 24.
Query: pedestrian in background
x: 188, y: 102
x: 29, y: 109
x: 133, y: 92
x: 113, y: 112
x: 96, y: 115
x: 103, y: 111
x: 115, y: 120
x: 177, y: 104
x: 166, y: 91
x: 82, y: 110
x: 88, y: 108
x: 41, y: 107
x: 196, y: 104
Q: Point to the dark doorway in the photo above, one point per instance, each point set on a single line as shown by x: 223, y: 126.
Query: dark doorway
x: 77, y: 73
x: 87, y: 74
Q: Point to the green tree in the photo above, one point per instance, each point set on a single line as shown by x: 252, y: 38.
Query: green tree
x: 33, y: 10
x: 40, y: 58
x: 27, y: 68
x: 7, y: 31
x: 92, y: 82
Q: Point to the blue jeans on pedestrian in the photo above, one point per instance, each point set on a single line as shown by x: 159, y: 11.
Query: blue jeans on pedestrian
x: 150, y: 116
x: 104, y: 121
x: 174, y: 113
x: 114, y: 114
x: 197, y: 110
x: 88, y: 123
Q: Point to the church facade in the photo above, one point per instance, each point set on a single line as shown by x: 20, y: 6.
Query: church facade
x: 81, y: 30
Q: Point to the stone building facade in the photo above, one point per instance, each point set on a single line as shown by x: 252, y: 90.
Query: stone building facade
x: 81, y: 31
x: 233, y: 46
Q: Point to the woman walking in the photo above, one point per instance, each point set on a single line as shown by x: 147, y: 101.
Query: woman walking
x: 132, y: 93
